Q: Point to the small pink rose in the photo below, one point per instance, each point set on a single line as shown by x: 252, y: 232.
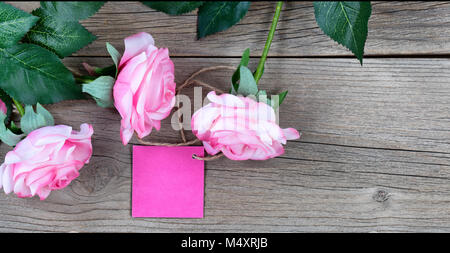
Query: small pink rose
x: 240, y: 127
x: 49, y: 158
x: 3, y: 108
x: 144, y: 92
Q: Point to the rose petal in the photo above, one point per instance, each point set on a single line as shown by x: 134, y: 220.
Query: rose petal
x: 291, y: 134
x: 43, y: 193
x: 227, y: 100
x: 7, y: 179
x: 2, y: 169
x: 21, y: 189
x: 210, y: 149
x: 136, y: 44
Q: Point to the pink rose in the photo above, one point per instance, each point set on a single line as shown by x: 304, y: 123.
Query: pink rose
x: 144, y: 92
x: 3, y: 108
x: 49, y: 158
x: 240, y: 127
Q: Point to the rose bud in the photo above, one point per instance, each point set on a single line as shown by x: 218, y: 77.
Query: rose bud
x: 144, y: 92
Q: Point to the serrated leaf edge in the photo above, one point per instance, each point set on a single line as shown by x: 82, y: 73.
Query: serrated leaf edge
x: 365, y: 37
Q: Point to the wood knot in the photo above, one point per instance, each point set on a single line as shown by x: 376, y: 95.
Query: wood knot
x: 98, y: 174
x: 381, y: 196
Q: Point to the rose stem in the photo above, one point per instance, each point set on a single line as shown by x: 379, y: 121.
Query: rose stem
x: 19, y: 107
x: 262, y: 61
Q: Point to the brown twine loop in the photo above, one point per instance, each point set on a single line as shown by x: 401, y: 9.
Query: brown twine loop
x: 185, y: 84
x: 208, y: 158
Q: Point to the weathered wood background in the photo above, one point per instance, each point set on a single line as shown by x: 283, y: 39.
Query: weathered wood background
x: 375, y: 150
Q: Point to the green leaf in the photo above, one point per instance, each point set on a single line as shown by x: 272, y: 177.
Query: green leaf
x: 280, y: 99
x: 247, y: 83
x: 96, y: 71
x: 345, y: 22
x: 32, y: 74
x: 6, y: 135
x: 32, y: 120
x: 261, y: 93
x: 71, y: 11
x: 214, y: 16
x: 15, y: 129
x: 115, y: 55
x: 236, y: 76
x: 261, y: 96
x: 173, y: 7
x: 58, y: 35
x: 14, y: 24
x: 232, y: 90
x: 101, y: 90
x: 49, y: 121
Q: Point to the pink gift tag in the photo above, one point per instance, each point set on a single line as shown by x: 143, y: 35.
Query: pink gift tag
x: 167, y: 182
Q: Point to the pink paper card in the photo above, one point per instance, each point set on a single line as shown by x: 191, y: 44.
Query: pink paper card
x: 167, y: 182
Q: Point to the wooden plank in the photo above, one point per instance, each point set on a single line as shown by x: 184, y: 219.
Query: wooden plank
x: 388, y: 103
x: 395, y: 28
x: 373, y: 157
x: 322, y: 191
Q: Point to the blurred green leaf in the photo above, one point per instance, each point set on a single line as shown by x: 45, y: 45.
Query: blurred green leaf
x: 345, y: 22
x: 8, y: 103
x: 173, y: 7
x: 6, y: 135
x: 63, y: 37
x: 71, y: 10
x: 33, y: 120
x: 101, y: 90
x: 281, y: 97
x: 216, y: 16
x: 236, y: 75
x: 32, y: 74
x: 247, y: 83
x: 14, y: 24
x: 115, y: 55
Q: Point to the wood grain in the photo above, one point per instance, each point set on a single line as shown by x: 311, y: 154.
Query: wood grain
x: 399, y: 28
x: 374, y: 156
x: 388, y: 103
